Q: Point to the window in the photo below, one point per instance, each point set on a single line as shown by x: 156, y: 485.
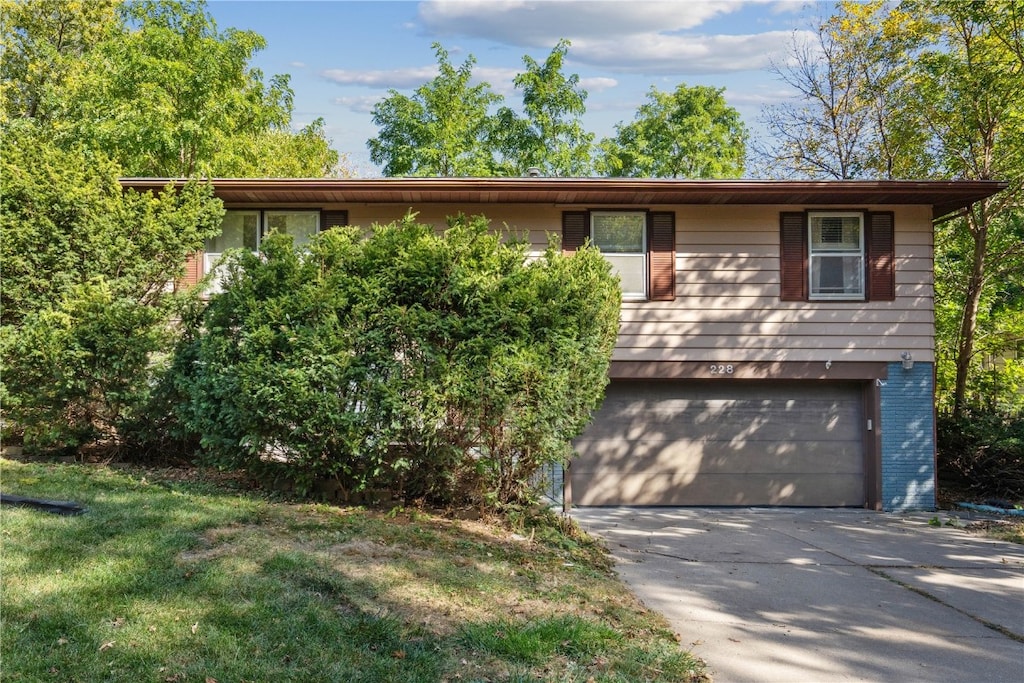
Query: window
x: 622, y: 238
x: 244, y: 229
x: 836, y: 255
x: 640, y: 245
x: 301, y: 225
x: 239, y: 230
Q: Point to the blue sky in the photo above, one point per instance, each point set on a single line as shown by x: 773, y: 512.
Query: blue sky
x: 344, y: 55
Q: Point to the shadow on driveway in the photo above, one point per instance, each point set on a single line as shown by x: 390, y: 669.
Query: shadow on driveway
x: 820, y: 595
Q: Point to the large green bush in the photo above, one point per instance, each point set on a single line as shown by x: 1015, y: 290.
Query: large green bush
x: 447, y: 366
x: 85, y: 306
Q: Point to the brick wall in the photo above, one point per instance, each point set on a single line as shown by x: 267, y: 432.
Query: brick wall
x: 908, y: 438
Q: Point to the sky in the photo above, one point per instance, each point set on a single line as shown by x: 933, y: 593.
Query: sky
x: 344, y: 56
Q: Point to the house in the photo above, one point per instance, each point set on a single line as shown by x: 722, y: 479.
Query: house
x: 777, y: 340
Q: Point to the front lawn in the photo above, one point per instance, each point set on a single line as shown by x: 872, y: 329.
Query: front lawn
x: 173, y: 579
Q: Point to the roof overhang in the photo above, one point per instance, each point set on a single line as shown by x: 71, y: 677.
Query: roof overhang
x: 944, y: 197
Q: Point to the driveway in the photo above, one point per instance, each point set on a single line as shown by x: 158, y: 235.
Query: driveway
x: 824, y: 595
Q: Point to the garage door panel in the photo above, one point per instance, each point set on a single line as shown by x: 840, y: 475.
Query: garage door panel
x: 758, y: 420
x: 723, y: 443
x: 709, y: 489
x: 689, y: 456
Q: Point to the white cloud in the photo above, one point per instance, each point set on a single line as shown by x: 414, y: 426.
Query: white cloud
x: 643, y: 37
x: 598, y: 84
x: 758, y: 98
x: 541, y: 23
x: 297, y: 65
x: 360, y: 105
x: 790, y: 6
x: 393, y: 78
x: 500, y: 79
x: 656, y: 53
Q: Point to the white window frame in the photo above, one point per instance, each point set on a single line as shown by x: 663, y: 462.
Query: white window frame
x: 620, y: 258
x: 262, y: 230
x: 815, y: 254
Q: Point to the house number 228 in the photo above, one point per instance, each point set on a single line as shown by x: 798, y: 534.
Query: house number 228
x: 722, y: 369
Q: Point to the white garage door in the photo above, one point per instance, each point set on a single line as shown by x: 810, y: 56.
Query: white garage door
x: 723, y: 443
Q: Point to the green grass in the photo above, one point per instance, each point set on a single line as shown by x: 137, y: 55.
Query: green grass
x: 170, y: 579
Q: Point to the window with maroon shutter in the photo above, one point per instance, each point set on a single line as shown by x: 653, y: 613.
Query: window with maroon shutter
x: 837, y: 255
x: 639, y: 245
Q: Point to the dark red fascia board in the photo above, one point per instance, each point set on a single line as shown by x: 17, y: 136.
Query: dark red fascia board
x: 944, y: 196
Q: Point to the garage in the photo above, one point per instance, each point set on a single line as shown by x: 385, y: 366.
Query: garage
x: 723, y: 443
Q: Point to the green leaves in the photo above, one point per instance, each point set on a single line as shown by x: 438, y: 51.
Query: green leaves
x: 157, y: 87
x: 442, y: 130
x: 447, y: 128
x: 86, y: 302
x: 446, y: 366
x: 688, y: 133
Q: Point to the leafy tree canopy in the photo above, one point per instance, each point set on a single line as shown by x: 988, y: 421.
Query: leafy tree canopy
x: 551, y: 137
x: 443, y: 129
x: 156, y: 86
x: 689, y: 133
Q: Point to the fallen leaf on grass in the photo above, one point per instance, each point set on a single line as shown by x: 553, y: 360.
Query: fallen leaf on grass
x: 62, y: 641
x: 211, y: 679
x: 107, y: 645
x: 398, y: 654
x: 195, y: 627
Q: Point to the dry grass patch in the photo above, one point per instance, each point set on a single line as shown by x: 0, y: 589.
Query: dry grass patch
x: 182, y: 579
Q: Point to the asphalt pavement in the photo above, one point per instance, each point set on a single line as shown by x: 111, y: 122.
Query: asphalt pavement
x: 801, y: 595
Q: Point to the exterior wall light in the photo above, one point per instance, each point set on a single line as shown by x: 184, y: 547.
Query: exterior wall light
x: 908, y: 360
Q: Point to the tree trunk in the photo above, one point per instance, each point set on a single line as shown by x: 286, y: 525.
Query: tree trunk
x: 977, y: 225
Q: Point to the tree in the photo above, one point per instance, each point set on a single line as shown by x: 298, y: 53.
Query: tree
x: 849, y: 84
x: 44, y: 43
x: 689, y: 133
x: 444, y: 129
x: 93, y: 91
x: 928, y: 88
x: 967, y: 93
x: 155, y: 85
x: 551, y: 137
x: 85, y: 303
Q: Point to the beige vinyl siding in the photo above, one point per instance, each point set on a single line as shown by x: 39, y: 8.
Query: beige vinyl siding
x: 727, y: 305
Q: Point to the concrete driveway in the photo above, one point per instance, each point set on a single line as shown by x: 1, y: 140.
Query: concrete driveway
x: 824, y: 595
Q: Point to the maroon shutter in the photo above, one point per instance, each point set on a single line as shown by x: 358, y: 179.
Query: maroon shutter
x: 333, y: 219
x: 193, y: 271
x: 793, y: 256
x: 661, y: 255
x: 881, y: 253
x: 574, y: 230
